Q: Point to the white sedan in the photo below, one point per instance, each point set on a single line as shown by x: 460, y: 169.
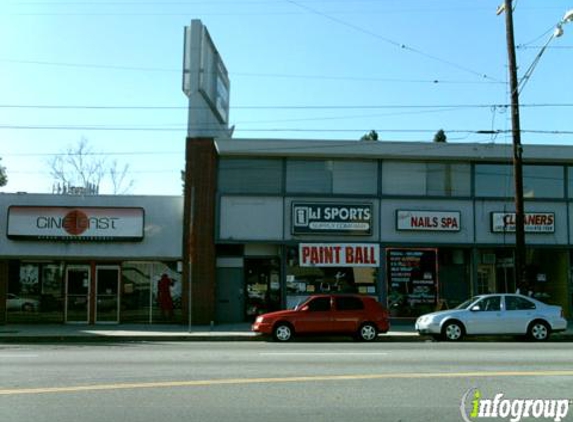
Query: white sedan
x: 16, y: 303
x: 504, y: 314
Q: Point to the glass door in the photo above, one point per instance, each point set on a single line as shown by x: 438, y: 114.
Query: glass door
x: 77, y: 293
x: 107, y: 297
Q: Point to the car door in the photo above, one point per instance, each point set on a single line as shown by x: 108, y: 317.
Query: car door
x: 485, y: 316
x: 518, y: 312
x: 315, y: 316
x: 348, y: 313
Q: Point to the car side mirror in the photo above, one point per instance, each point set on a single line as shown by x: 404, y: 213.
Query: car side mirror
x: 304, y: 309
x: 475, y: 308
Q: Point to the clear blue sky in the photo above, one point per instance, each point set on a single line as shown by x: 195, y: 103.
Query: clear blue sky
x: 310, y: 69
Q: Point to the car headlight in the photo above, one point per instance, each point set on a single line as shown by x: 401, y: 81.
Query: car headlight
x: 259, y: 319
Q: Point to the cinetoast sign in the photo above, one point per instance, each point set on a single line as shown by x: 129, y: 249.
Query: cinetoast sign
x: 328, y: 218
x: 75, y: 223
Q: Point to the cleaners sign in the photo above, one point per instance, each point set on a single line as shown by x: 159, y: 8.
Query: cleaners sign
x: 82, y: 223
x: 442, y: 221
x: 535, y: 222
x: 339, y: 255
x: 326, y: 218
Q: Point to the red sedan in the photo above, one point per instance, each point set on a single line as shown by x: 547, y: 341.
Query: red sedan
x: 360, y: 316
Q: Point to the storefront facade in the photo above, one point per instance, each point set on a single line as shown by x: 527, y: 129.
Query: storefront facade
x: 419, y: 226
x: 89, y: 259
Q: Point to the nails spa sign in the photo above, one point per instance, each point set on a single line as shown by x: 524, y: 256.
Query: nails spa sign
x: 75, y: 223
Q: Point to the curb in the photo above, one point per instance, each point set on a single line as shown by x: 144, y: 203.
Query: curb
x: 385, y: 338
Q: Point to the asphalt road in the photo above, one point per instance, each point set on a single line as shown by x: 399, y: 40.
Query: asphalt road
x: 258, y: 381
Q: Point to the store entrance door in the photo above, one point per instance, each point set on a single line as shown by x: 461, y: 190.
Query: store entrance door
x: 107, y: 297
x: 77, y: 294
x: 230, y: 297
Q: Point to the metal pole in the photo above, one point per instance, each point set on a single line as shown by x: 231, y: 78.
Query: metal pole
x: 191, y: 248
x: 519, y: 266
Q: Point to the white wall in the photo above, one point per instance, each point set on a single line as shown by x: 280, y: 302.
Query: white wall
x: 162, y: 230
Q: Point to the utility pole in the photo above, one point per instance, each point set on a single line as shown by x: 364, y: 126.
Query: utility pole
x: 519, y: 264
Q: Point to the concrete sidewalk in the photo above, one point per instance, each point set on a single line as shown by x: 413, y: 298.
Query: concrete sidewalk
x: 16, y: 333
x: 401, y: 330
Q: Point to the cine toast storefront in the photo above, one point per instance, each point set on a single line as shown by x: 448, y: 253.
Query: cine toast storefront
x: 89, y: 259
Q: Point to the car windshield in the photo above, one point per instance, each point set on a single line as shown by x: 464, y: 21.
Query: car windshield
x: 299, y: 303
x: 467, y: 303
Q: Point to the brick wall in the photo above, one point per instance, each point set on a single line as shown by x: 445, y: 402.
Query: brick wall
x: 199, y: 230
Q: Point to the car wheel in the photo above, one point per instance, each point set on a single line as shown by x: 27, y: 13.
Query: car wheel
x: 27, y: 307
x: 367, y: 332
x: 452, y: 331
x: 283, y: 332
x: 538, y: 331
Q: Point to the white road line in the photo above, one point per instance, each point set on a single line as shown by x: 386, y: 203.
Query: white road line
x: 323, y: 353
x: 18, y: 356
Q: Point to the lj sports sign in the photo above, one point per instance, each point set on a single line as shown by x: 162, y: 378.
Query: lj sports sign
x: 63, y: 223
x: 327, y: 218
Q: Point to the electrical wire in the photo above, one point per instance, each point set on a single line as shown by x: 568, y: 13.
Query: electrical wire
x: 431, y: 81
x: 391, y: 41
x: 279, y: 107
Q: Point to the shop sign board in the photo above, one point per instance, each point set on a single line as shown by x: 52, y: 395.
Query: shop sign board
x: 329, y: 218
x: 339, y: 255
x: 535, y: 222
x: 75, y: 223
x: 412, y: 278
x: 441, y: 221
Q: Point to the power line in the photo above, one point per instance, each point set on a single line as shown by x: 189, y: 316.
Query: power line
x: 390, y: 41
x: 301, y: 130
x: 434, y: 81
x: 277, y: 107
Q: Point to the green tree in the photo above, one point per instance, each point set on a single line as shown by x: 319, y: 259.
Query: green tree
x: 440, y: 136
x: 370, y: 136
x: 3, y: 175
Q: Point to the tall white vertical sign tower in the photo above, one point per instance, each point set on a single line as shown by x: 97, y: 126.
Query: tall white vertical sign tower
x: 206, y: 84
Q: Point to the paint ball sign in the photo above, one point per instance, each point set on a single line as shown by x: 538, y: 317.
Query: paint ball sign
x: 62, y: 223
x: 339, y: 255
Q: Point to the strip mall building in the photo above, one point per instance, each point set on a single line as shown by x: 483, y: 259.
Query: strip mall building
x: 265, y: 223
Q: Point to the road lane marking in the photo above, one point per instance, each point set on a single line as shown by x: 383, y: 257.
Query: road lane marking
x: 17, y: 356
x: 302, y: 379
x: 323, y: 353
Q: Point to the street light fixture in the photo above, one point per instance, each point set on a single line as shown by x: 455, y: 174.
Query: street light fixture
x: 519, y: 266
x: 558, y: 31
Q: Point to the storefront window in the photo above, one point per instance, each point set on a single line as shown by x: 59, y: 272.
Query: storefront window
x: 496, y: 180
x: 262, y: 276
x: 35, y: 292
x: 332, y: 176
x: 426, y: 179
x: 546, y: 271
x: 303, y: 281
x: 239, y: 175
x: 412, y: 281
x: 146, y: 296
x: 570, y: 182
